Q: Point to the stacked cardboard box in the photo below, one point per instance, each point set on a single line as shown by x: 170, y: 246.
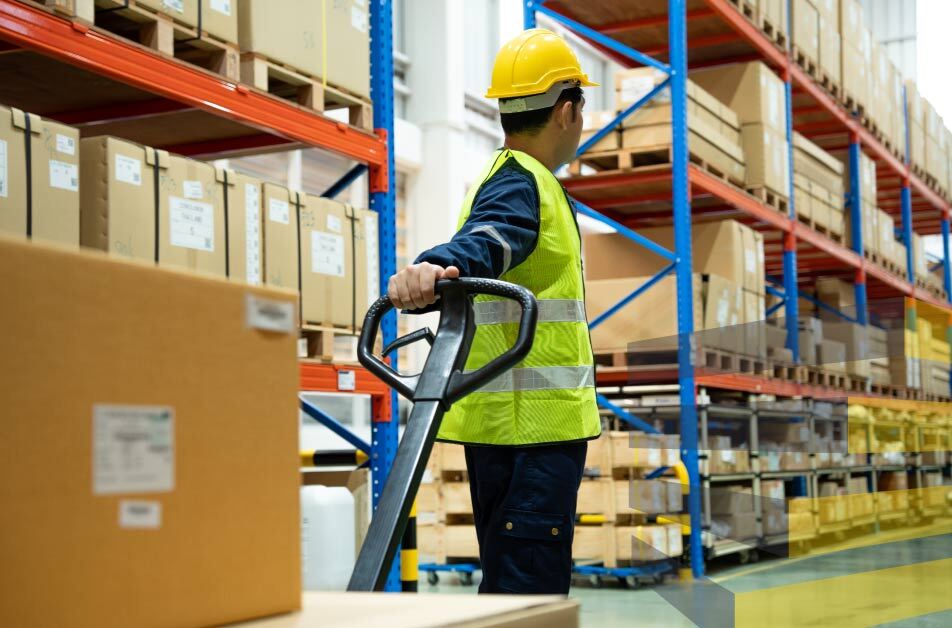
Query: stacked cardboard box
x: 833, y: 503
x: 856, y: 48
x: 595, y: 121
x: 774, y: 13
x: 904, y: 366
x: 787, y: 446
x: 713, y: 128
x: 160, y: 367
x: 756, y: 94
x: 934, y: 357
x: 773, y: 507
x: 733, y: 513
x: 800, y: 517
x: 729, y: 288
x: 302, y: 32
x: 725, y: 457
x: 917, y: 132
x: 828, y: 27
x: 47, y: 210
x: 821, y: 178
x: 893, y: 495
x: 860, y: 499
x: 805, y: 33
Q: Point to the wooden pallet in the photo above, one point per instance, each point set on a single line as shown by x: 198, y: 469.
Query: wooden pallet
x: 300, y: 88
x: 746, y: 9
x: 633, y: 159
x: 823, y: 377
x: 326, y: 344
x: 787, y: 372
x: 827, y: 82
x: 655, y: 358
x: 168, y: 35
x: 770, y: 198
x: 771, y: 30
x: 808, y: 63
x: 822, y: 229
x: 853, y: 105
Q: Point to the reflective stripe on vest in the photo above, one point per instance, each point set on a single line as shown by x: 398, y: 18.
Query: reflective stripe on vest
x: 542, y: 378
x: 550, y: 311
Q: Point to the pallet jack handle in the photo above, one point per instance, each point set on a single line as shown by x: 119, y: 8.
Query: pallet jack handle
x: 442, y: 382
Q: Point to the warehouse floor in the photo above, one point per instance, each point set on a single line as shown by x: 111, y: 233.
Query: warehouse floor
x: 900, y: 579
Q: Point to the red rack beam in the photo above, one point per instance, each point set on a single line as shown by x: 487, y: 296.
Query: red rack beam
x: 88, y: 48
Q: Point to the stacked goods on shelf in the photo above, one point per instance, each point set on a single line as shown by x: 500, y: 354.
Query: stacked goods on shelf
x: 39, y: 196
x: 886, y: 101
x: 800, y: 519
x: 241, y: 194
x: 903, y: 351
x: 833, y: 503
x: 819, y: 178
x: 856, y: 47
x: 713, y: 129
x: 728, y: 289
x: 784, y: 446
x: 306, y: 46
x: 444, y: 508
x: 893, y: 494
x: 160, y: 366
x: 805, y: 35
x: 936, y: 158
x: 773, y: 507
x: 733, y: 513
x: 592, y: 123
x: 146, y: 204
x: 831, y: 56
x: 916, y: 129
x: 724, y: 458
x: 757, y: 96
x: 867, y: 197
x: 772, y: 17
x: 860, y: 499
x: 934, y: 357
x: 855, y: 338
x: 933, y: 493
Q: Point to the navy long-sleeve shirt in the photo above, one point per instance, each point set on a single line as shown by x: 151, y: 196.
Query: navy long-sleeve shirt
x: 502, y: 228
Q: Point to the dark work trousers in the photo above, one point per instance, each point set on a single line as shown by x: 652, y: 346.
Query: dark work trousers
x: 524, y: 509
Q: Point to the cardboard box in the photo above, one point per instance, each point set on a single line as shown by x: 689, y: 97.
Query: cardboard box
x: 220, y: 18
x: 854, y: 71
x: 767, y: 158
x: 648, y: 497
x: 280, y: 207
x: 751, y: 90
x: 293, y: 36
x: 175, y: 447
x: 852, y: 25
x: 726, y: 500
x: 775, y: 13
x: 595, y: 121
x: 831, y: 355
x: 806, y: 29
x: 831, y: 55
x: 755, y: 336
x: 775, y: 522
x: 53, y: 169
x: 241, y: 196
x: 725, y: 248
x: 807, y: 340
x: 818, y: 166
x: 119, y: 213
x: 856, y: 342
x: 184, y: 11
x: 642, y: 543
x: 328, y: 280
x: 739, y: 526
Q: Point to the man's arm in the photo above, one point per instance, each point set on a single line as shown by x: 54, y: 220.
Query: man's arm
x: 500, y: 233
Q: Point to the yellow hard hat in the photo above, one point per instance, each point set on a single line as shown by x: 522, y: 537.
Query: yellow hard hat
x: 536, y: 62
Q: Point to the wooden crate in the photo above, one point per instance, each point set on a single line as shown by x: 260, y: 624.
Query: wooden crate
x: 595, y: 497
x: 591, y: 542
x: 455, y: 499
x: 598, y: 460
x: 428, y: 498
x: 438, y: 542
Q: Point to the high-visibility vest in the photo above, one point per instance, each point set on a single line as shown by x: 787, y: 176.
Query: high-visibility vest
x: 549, y: 397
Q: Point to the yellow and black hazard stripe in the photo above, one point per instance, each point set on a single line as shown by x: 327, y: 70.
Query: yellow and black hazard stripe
x: 409, y: 559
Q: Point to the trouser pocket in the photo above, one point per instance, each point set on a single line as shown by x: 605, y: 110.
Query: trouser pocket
x: 533, y: 553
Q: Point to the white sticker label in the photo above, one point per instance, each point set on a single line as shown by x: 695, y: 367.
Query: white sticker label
x: 133, y: 449
x: 358, y: 19
x: 192, y: 189
x: 373, y: 258
x: 334, y: 224
x: 750, y: 262
x: 175, y: 5
x: 222, y: 6
x: 346, y: 380
x: 191, y: 224
x: 279, y: 211
x: 140, y: 515
x: 269, y: 314
x: 65, y: 144
x: 302, y: 347
x: 723, y: 312
x: 3, y: 168
x: 64, y: 176
x: 634, y: 88
x: 128, y: 170
x: 327, y: 253
x: 252, y: 235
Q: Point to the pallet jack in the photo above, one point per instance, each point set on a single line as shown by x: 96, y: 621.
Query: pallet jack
x: 442, y: 382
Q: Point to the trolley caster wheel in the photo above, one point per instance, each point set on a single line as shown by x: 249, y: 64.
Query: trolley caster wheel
x: 743, y: 557
x: 658, y: 578
x: 432, y: 578
x: 595, y: 581
x: 754, y: 556
x: 466, y: 578
x: 630, y: 582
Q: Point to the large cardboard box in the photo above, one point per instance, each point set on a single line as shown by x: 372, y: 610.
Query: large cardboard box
x: 294, y: 34
x: 817, y: 165
x: 327, y: 263
x: 831, y: 55
x: 191, y: 217
x: 592, y: 123
x: 281, y: 207
x: 50, y: 212
x: 805, y: 33
x: 726, y: 500
x: 751, y: 90
x: 739, y: 526
x: 856, y: 341
x: 220, y: 19
x: 726, y: 248
x: 855, y: 68
x: 241, y: 196
x: 174, y: 497
x: 767, y: 158
x: 831, y: 355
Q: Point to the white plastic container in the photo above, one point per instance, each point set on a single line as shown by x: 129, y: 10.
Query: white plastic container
x: 327, y: 537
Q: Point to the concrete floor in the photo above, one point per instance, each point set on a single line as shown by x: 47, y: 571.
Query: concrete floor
x: 899, y: 579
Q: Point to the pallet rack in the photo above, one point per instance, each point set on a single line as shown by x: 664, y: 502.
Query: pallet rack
x: 73, y: 72
x: 710, y: 32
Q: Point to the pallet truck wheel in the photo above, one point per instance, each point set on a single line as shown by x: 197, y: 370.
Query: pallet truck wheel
x: 743, y: 557
x: 432, y: 577
x: 658, y: 578
x: 466, y: 578
x: 596, y: 581
x: 631, y: 582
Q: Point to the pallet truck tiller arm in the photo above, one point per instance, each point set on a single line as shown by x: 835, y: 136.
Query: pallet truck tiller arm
x: 441, y: 382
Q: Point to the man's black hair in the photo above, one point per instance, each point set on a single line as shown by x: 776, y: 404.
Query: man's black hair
x: 531, y: 122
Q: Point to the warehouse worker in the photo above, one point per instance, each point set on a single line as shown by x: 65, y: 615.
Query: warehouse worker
x: 524, y: 433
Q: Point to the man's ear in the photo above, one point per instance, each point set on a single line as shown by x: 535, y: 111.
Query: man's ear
x: 565, y: 114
